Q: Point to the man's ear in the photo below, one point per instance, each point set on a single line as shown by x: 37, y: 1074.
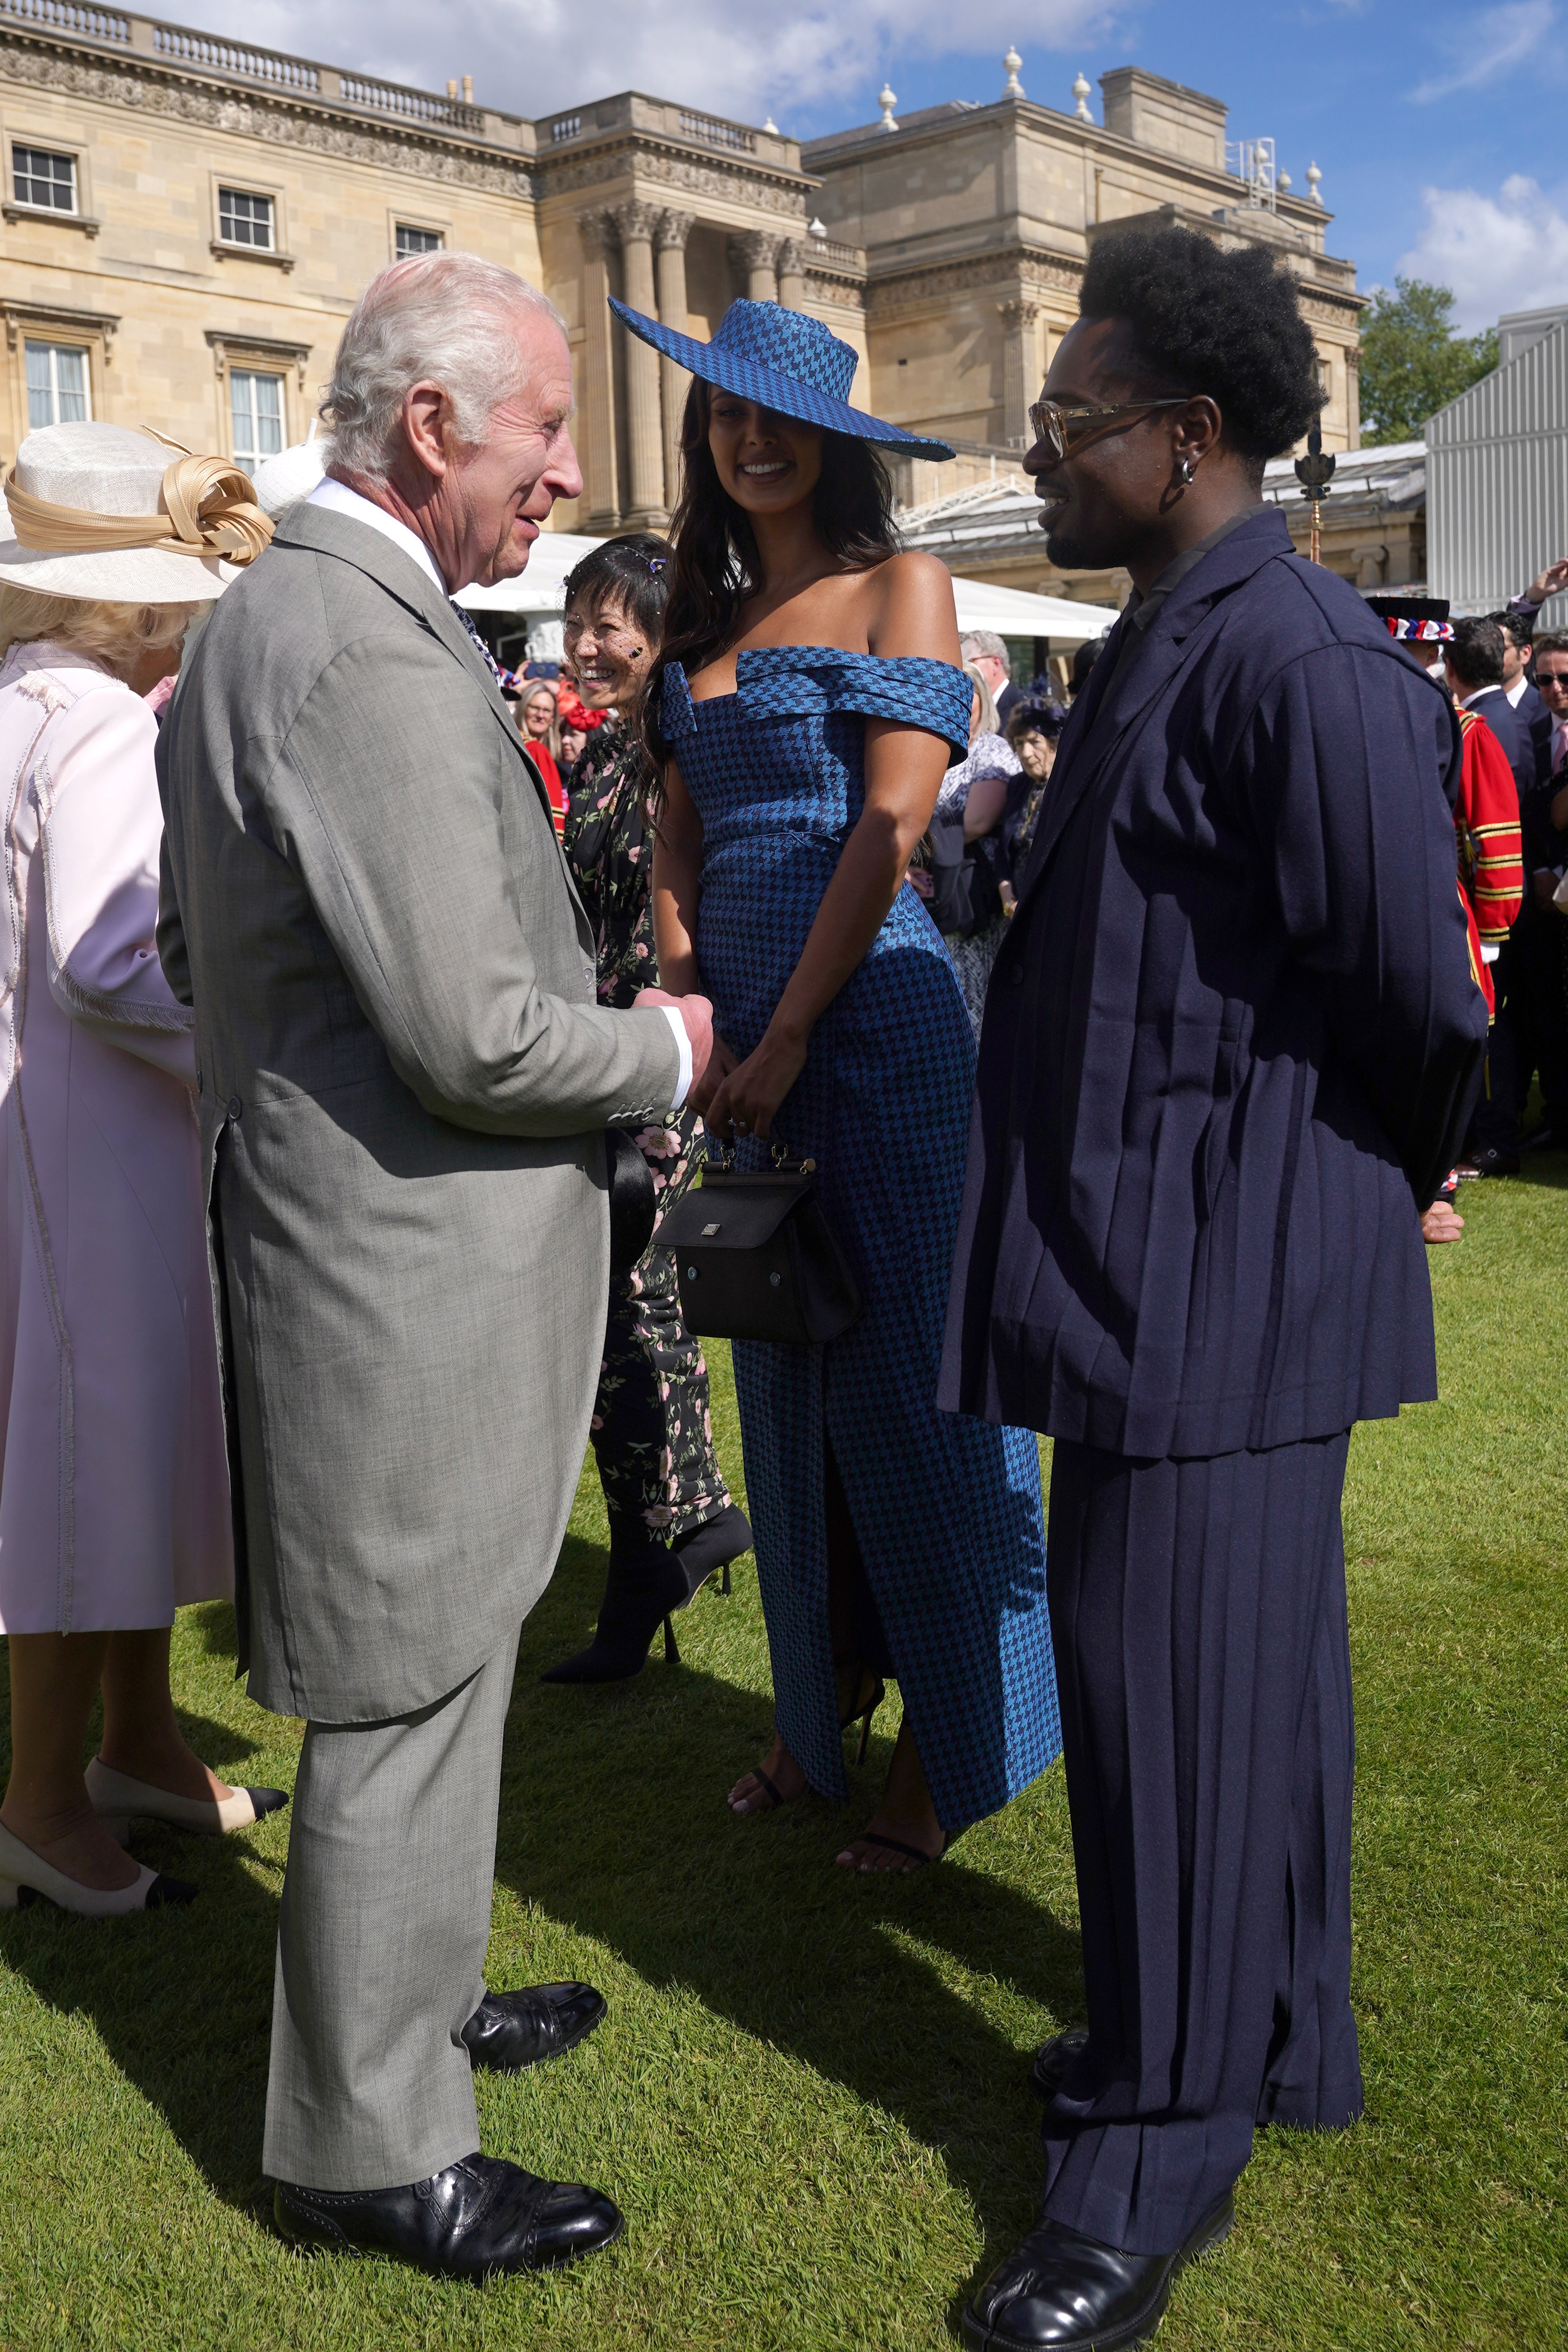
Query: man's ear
x: 425, y: 427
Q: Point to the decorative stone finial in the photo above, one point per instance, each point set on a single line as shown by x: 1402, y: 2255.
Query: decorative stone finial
x: 1313, y: 177
x: 886, y: 101
x: 1010, y: 64
x: 815, y: 228
x: 1080, y: 92
x: 771, y: 126
x: 1284, y: 182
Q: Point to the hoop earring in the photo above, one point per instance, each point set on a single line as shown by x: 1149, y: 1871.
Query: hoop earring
x: 1185, y: 472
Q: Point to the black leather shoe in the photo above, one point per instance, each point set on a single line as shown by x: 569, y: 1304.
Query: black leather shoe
x: 1489, y: 1162
x: 480, y: 2217
x: 1061, y: 2292
x: 1053, y: 2059
x: 512, y: 2029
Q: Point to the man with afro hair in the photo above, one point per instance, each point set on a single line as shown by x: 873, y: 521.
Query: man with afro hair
x: 1229, y: 1051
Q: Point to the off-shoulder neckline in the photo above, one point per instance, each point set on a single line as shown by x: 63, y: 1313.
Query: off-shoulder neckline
x: 819, y: 654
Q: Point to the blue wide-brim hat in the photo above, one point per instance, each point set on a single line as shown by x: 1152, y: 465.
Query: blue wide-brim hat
x: 784, y: 360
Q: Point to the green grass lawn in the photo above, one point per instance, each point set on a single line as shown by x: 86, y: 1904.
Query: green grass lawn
x: 810, y: 2095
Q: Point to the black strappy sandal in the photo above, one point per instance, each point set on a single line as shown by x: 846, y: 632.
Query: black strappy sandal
x: 861, y: 1715
x: 917, y: 1853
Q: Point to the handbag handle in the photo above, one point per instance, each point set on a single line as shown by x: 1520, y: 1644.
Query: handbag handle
x: 779, y: 1150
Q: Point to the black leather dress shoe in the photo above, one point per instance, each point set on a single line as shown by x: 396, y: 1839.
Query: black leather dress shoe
x: 512, y: 2029
x: 1054, y: 2057
x: 1489, y: 1162
x: 1061, y: 2292
x: 480, y: 2217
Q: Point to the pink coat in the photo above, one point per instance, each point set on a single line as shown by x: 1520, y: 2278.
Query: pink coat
x: 113, y: 1488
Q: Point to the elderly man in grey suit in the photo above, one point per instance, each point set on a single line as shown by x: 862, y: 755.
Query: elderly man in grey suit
x: 405, y: 1082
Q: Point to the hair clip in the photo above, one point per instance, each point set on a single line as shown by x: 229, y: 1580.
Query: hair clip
x: 658, y: 562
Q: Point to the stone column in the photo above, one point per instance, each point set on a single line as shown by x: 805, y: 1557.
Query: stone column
x: 669, y: 246
x: 756, y: 253
x: 645, y: 510
x: 1020, y: 368
x: 602, y: 498
x: 792, y: 274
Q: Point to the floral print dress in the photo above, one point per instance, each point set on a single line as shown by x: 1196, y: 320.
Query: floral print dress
x: 652, y: 1431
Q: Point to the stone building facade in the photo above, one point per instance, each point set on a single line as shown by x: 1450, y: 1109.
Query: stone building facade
x: 187, y: 221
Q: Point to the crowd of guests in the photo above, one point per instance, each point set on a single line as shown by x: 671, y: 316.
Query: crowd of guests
x: 358, y: 987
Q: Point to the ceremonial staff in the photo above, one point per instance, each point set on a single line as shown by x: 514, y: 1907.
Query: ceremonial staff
x: 1314, y: 472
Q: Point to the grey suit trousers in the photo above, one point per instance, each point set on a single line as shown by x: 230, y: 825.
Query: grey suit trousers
x: 381, y: 1940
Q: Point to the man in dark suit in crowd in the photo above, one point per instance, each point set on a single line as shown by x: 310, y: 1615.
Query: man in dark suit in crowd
x: 1519, y: 684
x: 1229, y: 1051
x: 984, y: 650
x: 1474, y: 661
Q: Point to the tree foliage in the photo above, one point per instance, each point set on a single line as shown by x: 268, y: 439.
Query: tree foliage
x: 1413, y: 363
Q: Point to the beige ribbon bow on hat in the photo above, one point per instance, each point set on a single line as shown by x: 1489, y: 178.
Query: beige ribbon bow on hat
x: 212, y: 510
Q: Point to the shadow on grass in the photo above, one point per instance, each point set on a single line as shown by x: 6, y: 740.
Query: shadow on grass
x: 182, y: 1999
x: 1547, y: 1168
x: 612, y: 1817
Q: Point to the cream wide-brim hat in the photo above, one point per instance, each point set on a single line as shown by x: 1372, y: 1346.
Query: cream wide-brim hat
x: 100, y: 473
x: 283, y: 480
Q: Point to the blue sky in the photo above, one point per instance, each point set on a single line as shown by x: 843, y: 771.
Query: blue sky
x: 1436, y: 131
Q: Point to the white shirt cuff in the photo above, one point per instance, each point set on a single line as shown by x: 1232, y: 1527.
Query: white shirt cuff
x: 683, y: 1083
x: 1489, y: 954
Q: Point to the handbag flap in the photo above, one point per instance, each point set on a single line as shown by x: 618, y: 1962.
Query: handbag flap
x: 731, y: 1212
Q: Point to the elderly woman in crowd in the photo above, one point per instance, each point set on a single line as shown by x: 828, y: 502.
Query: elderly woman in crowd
x: 672, y: 1522
x: 1032, y: 733
x: 539, y: 725
x: 114, y: 1508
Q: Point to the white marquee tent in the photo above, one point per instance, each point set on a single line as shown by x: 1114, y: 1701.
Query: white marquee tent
x: 981, y: 605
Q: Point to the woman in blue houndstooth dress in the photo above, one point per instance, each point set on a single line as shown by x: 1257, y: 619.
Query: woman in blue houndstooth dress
x: 805, y: 707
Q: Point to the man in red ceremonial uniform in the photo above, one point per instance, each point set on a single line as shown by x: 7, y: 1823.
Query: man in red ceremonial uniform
x: 1486, y: 820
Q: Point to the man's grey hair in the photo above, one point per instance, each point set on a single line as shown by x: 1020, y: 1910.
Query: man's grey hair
x: 983, y: 641
x: 450, y: 318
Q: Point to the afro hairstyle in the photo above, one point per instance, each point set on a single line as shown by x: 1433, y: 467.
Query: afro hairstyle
x: 1205, y: 321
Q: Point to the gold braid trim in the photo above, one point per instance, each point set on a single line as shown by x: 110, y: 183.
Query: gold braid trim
x: 211, y: 510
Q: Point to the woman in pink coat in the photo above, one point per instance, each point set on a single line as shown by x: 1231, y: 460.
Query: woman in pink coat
x: 113, y: 1492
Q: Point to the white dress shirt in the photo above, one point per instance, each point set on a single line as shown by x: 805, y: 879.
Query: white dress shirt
x: 340, y: 499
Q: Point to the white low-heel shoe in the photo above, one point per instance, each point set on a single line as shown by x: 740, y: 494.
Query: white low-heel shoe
x: 118, y: 1800
x: 26, y: 1877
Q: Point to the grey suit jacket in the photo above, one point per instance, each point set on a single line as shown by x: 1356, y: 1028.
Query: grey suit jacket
x: 404, y: 1081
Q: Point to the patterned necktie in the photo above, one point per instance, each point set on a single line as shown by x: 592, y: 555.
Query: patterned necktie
x: 467, y: 619
x: 1560, y: 746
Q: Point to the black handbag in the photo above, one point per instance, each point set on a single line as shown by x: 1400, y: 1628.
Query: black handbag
x: 965, y: 899
x: 756, y: 1259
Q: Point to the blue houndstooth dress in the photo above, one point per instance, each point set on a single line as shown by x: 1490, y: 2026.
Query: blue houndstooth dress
x: 946, y: 1510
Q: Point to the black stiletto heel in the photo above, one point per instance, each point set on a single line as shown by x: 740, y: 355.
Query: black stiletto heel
x: 862, y: 1715
x: 647, y: 1583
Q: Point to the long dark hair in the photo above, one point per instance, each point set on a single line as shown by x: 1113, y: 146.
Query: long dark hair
x: 717, y: 567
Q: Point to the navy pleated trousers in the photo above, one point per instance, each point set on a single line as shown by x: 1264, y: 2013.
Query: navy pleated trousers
x: 1198, y: 1615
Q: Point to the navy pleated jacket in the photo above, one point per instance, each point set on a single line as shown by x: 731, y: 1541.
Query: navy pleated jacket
x: 1232, y: 1040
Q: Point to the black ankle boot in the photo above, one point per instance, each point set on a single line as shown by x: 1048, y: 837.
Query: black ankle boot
x: 648, y: 1581
x: 713, y: 1545
x: 642, y: 1586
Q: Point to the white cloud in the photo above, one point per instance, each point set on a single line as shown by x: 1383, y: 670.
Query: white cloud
x: 1491, y: 45
x: 1507, y: 252
x: 535, y: 57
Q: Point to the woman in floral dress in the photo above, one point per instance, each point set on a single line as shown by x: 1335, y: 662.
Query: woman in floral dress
x: 672, y: 1523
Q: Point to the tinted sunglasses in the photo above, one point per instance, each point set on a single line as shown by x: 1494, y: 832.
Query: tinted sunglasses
x: 1060, y: 429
